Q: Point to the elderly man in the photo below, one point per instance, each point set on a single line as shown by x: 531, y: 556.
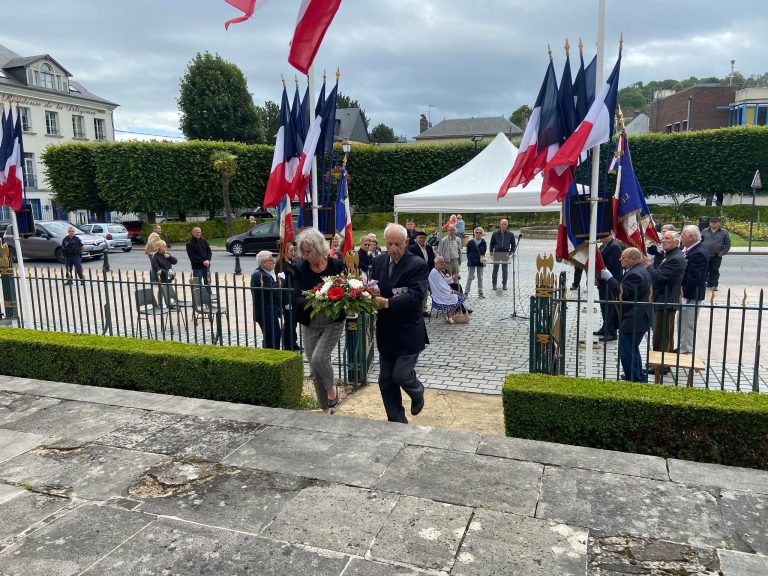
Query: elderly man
x: 667, y: 277
x: 633, y: 292
x: 450, y: 249
x: 199, y: 252
x: 717, y: 242
x: 502, y: 245
x: 694, y: 284
x: 400, y: 331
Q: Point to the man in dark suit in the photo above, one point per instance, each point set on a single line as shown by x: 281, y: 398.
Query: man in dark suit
x: 694, y: 284
x: 633, y: 292
x: 610, y: 251
x: 400, y: 331
x: 424, y: 251
x: 666, y: 277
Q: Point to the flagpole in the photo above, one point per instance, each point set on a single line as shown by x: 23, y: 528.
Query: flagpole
x: 311, y: 81
x: 26, y: 306
x: 590, y: 337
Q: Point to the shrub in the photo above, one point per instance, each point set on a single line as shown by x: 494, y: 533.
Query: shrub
x: 687, y: 423
x: 247, y: 375
x: 180, y: 232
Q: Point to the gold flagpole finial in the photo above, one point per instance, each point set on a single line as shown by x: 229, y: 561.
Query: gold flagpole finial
x: 567, y: 47
x: 296, y: 78
x: 549, y: 51
x: 621, y: 41
x: 581, y: 46
x: 338, y: 74
x: 621, y: 118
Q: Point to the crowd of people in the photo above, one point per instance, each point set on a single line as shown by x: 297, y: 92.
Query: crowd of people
x: 673, y: 277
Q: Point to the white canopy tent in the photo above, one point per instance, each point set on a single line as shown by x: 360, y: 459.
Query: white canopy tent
x: 474, y: 187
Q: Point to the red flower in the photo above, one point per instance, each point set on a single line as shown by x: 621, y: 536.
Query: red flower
x: 335, y: 293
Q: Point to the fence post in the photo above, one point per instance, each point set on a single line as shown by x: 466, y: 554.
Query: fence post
x: 9, y: 284
x: 541, y: 335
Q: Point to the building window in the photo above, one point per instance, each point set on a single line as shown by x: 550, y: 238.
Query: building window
x: 47, y: 78
x: 30, y: 174
x: 26, y: 125
x: 685, y: 125
x: 98, y: 128
x: 52, y: 123
x: 78, y: 126
x: 37, y: 208
x: 762, y: 116
x: 677, y: 126
x: 669, y: 129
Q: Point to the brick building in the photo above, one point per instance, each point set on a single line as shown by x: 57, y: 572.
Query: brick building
x: 695, y: 108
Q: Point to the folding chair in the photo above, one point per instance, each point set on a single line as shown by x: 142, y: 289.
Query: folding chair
x: 169, y: 298
x: 147, y: 306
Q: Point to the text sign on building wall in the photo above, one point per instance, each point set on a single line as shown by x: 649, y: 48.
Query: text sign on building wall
x: 46, y: 104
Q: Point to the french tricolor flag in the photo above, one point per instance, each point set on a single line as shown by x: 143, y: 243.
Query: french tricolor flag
x: 285, y: 161
x: 11, y: 163
x: 247, y: 7
x: 315, y: 16
x: 541, y: 139
x: 344, y: 215
x: 595, y: 129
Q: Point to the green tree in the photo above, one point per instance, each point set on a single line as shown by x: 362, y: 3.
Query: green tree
x: 521, y: 116
x: 631, y: 99
x: 271, y: 121
x: 215, y: 103
x: 344, y: 101
x: 225, y: 163
x: 382, y: 134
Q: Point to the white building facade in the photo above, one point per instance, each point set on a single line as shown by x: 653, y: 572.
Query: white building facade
x: 54, y: 109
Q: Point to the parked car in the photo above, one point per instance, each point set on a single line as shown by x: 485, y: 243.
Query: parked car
x: 258, y: 213
x: 45, y: 244
x: 134, y: 228
x: 3, y: 225
x: 264, y: 236
x: 116, y: 235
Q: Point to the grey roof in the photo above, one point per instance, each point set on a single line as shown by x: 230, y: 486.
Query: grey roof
x: 467, y: 127
x: 640, y: 124
x: 350, y: 125
x: 10, y: 59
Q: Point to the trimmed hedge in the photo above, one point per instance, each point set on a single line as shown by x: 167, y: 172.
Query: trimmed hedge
x: 686, y: 423
x: 246, y: 375
x: 180, y: 232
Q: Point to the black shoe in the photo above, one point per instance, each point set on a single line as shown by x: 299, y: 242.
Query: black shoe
x: 417, y: 405
x: 494, y: 288
x: 608, y: 338
x: 425, y: 314
x: 332, y: 403
x: 503, y: 287
x: 600, y: 332
x: 68, y: 283
x: 469, y: 311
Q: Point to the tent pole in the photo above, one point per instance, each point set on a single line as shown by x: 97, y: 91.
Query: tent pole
x: 590, y: 337
x: 396, y: 222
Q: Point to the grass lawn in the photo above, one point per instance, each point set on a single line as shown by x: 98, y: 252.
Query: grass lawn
x: 738, y: 241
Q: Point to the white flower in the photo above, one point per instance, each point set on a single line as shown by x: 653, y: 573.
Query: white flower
x: 326, y: 287
x: 355, y: 284
x: 367, y: 295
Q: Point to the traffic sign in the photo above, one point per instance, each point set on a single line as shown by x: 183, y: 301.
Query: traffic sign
x: 756, y: 182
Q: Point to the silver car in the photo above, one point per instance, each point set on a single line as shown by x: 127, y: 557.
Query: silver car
x: 115, y: 234
x: 45, y: 243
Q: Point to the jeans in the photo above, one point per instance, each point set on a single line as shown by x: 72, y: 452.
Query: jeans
x: 205, y: 277
x: 471, y: 276
x: 713, y: 272
x: 75, y: 262
x: 152, y: 272
x: 504, y: 275
x: 397, y: 372
x: 631, y: 361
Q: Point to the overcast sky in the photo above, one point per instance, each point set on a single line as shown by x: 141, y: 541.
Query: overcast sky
x: 465, y: 58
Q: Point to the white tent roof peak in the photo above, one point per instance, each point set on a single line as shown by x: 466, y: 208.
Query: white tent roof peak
x: 475, y: 186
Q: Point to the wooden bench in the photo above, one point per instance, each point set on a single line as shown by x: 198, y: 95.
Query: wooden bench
x: 673, y: 360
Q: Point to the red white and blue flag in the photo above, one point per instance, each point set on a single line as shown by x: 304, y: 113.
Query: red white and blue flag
x: 285, y: 221
x: 595, y: 129
x: 285, y: 160
x: 247, y: 7
x: 344, y: 215
x: 541, y: 141
x: 315, y: 16
x: 633, y: 224
x: 11, y: 162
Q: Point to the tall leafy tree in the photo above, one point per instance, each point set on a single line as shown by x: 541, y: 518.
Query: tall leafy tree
x: 344, y: 101
x: 271, y: 121
x: 215, y: 103
x: 521, y: 116
x: 382, y: 134
x: 225, y: 163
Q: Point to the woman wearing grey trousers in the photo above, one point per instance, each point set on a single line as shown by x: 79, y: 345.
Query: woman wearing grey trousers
x: 320, y: 335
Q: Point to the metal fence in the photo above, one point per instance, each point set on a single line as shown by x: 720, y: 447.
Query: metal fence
x: 727, y: 351
x: 126, y: 303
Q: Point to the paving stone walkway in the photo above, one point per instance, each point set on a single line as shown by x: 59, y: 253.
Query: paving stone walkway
x: 97, y: 481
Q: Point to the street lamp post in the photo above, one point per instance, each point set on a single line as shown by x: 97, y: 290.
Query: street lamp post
x: 477, y: 138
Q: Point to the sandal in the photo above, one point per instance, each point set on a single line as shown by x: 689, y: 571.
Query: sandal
x: 333, y: 403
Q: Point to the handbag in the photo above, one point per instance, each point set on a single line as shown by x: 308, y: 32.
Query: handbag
x: 461, y: 318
